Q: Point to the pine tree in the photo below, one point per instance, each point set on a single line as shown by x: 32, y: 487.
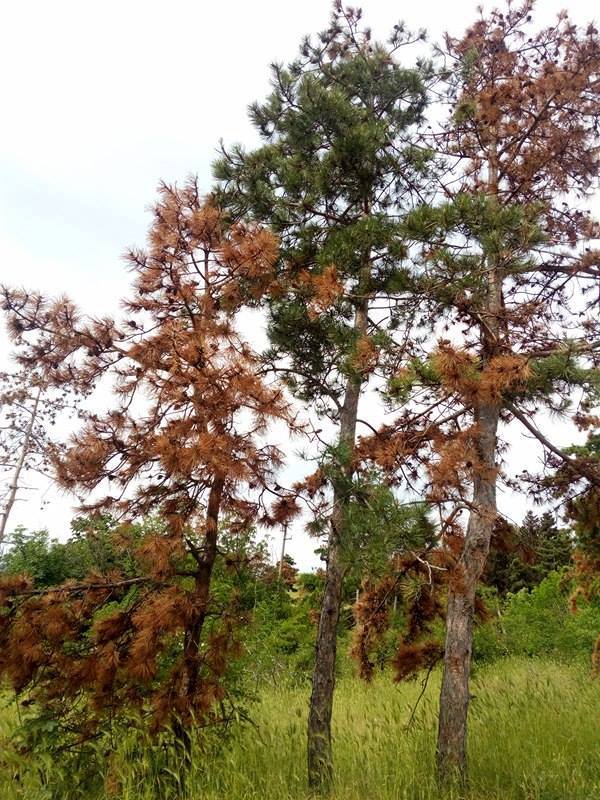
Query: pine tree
x: 338, y: 167
x: 504, y: 270
x: 522, y: 556
x: 185, y: 444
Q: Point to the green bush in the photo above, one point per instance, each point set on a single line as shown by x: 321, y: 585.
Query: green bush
x: 538, y: 622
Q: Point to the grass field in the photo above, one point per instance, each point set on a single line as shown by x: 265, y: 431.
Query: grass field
x: 534, y: 735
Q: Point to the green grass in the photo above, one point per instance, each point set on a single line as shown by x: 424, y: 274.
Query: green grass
x: 534, y: 735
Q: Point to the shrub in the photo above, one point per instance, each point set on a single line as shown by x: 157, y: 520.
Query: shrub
x: 539, y: 621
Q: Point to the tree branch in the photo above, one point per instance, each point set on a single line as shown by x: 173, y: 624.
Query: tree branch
x: 574, y: 464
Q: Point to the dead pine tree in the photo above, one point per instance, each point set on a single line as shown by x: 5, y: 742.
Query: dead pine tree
x: 186, y: 442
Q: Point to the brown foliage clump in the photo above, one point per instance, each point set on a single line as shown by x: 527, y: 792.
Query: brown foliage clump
x: 185, y: 442
x: 372, y: 617
x: 418, y: 582
x: 326, y: 288
x: 461, y: 373
x: 412, y: 658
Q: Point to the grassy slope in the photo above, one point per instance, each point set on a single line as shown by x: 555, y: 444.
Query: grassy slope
x: 534, y: 735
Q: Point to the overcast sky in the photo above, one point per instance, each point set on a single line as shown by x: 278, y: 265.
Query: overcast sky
x: 102, y: 100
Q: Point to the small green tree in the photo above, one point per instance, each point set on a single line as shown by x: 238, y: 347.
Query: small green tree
x: 29, y: 408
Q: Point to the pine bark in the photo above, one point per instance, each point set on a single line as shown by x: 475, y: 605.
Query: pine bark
x: 193, y: 636
x: 454, y: 697
x: 320, y: 758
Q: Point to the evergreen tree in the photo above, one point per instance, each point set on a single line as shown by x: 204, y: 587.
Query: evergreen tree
x: 521, y: 557
x: 338, y: 167
x: 504, y: 270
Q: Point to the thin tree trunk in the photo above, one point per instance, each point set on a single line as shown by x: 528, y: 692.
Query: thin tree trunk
x: 201, y: 597
x: 16, y: 476
x: 454, y: 697
x: 283, y: 542
x: 320, y: 761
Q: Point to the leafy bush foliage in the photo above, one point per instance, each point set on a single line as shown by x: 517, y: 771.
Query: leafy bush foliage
x: 539, y: 622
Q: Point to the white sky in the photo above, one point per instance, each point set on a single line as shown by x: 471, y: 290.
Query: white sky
x: 102, y: 100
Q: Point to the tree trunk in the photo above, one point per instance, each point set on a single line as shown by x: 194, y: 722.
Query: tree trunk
x: 14, y: 484
x: 283, y: 542
x: 320, y: 761
x: 454, y: 697
x: 201, y: 597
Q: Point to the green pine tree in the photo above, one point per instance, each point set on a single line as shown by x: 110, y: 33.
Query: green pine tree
x: 522, y: 556
x: 339, y: 166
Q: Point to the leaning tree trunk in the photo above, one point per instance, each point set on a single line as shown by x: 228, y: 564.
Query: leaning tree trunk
x: 454, y: 697
x: 320, y: 760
